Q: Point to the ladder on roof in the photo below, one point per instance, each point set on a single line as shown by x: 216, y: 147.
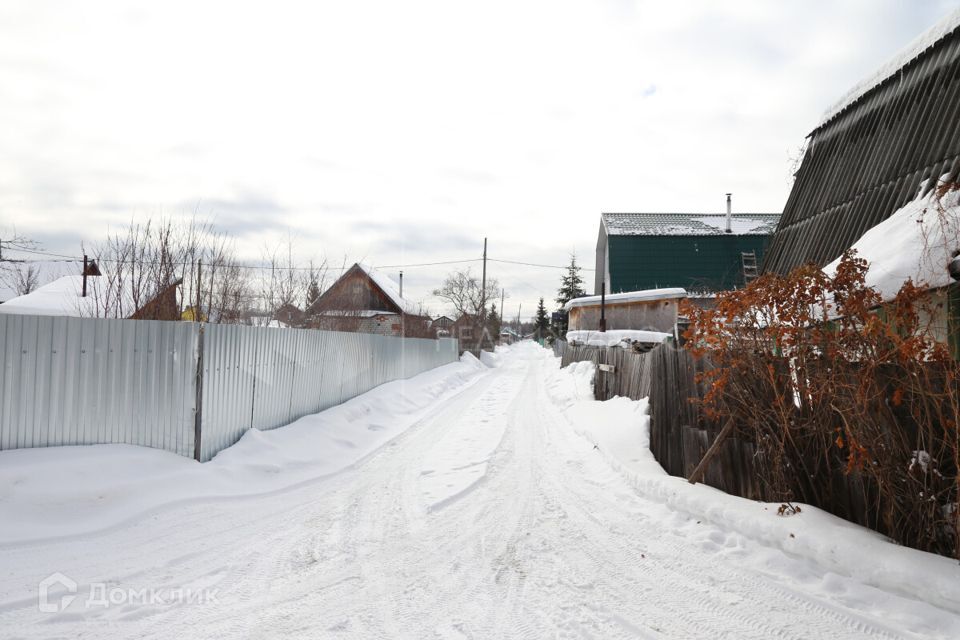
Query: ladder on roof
x: 749, y: 261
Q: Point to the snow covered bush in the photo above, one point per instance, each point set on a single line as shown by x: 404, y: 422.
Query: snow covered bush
x: 850, y: 401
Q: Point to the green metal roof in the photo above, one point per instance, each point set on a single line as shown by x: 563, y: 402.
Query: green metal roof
x: 689, y: 224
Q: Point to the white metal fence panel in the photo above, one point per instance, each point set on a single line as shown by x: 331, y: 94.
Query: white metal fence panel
x: 67, y: 381
x: 229, y: 373
x: 265, y: 378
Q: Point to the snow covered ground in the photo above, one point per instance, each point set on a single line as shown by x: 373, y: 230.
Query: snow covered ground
x: 475, y: 502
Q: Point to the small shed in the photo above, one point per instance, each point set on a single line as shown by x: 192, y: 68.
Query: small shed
x: 649, y: 310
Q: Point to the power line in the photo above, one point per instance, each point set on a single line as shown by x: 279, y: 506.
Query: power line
x: 427, y: 264
x: 533, y: 264
x: 298, y: 268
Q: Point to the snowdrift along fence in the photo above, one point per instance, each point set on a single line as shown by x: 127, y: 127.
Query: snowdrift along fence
x: 184, y: 387
x: 680, y: 434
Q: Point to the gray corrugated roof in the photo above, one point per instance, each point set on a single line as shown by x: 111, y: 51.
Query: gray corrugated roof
x: 688, y: 224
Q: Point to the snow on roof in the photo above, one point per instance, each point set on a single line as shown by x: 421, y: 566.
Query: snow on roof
x: 923, y: 42
x: 647, y: 295
x: 688, y: 224
x: 390, y: 288
x: 58, y: 298
x: 45, y: 271
x: 917, y: 242
x: 615, y: 337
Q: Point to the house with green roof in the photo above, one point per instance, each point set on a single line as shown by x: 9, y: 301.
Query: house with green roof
x: 699, y: 252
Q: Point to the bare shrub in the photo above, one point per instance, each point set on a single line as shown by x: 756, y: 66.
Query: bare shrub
x: 851, y: 403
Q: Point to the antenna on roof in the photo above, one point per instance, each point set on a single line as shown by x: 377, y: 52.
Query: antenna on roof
x: 729, y: 214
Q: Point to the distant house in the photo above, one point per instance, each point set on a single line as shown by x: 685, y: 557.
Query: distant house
x: 65, y: 297
x: 509, y: 336
x: 698, y: 252
x: 471, y: 334
x: 441, y: 326
x: 869, y: 171
x: 364, y: 300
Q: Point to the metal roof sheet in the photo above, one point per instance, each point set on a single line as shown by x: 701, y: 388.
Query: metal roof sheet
x: 688, y: 224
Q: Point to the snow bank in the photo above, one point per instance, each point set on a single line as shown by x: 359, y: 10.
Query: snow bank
x: 66, y: 491
x: 918, y: 241
x: 490, y: 359
x: 620, y: 429
x: 614, y: 337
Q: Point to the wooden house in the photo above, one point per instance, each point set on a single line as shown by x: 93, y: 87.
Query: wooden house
x: 364, y: 300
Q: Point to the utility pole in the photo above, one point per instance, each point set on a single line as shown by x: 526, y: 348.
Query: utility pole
x: 483, y: 284
x: 483, y: 295
x: 84, y: 293
x: 196, y: 310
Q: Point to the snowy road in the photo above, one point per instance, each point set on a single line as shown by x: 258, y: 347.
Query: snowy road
x: 489, y: 519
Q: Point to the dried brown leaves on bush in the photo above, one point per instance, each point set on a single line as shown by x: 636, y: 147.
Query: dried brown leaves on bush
x: 850, y: 402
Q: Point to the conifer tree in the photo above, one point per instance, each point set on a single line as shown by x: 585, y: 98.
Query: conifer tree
x: 494, y: 322
x: 571, y: 286
x: 542, y: 320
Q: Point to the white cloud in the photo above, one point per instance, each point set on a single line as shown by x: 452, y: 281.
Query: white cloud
x: 517, y: 121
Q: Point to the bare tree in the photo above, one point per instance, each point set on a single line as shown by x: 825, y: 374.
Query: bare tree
x: 465, y: 294
x: 159, y: 269
x: 22, y: 278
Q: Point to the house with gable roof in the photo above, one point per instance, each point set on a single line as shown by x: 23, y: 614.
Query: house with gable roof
x: 698, y: 252
x: 364, y: 300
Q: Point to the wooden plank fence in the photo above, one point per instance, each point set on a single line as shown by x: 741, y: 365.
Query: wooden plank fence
x: 679, y: 434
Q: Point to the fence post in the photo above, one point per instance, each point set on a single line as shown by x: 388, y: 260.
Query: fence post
x: 198, y: 415
x: 701, y: 468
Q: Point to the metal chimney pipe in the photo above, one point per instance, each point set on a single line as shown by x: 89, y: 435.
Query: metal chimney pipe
x: 729, y: 214
x: 401, y: 284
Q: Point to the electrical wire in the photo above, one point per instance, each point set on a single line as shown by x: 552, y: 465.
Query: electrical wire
x: 293, y: 268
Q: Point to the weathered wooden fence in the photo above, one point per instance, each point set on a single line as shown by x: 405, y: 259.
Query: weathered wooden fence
x: 679, y: 434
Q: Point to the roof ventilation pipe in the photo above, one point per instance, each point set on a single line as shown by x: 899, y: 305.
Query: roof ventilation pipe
x: 729, y: 214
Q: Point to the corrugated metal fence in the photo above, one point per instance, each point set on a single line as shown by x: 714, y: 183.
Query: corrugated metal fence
x: 67, y: 381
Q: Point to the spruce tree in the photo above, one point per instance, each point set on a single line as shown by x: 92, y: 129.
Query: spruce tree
x: 542, y: 321
x: 571, y: 286
x: 494, y: 322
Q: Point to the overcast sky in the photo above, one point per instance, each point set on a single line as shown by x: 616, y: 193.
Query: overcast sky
x: 405, y: 132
